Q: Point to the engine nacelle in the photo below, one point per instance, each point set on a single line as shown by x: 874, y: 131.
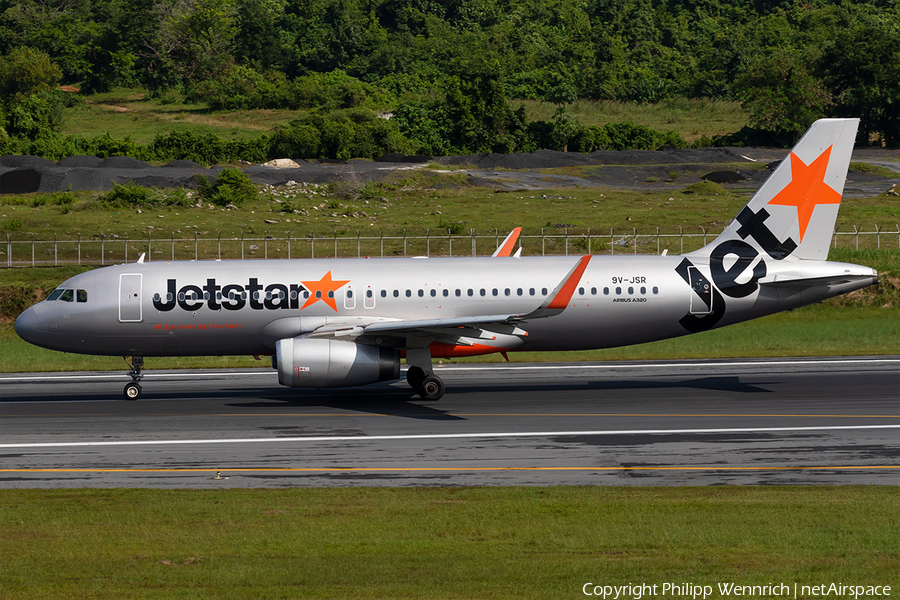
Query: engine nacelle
x: 317, y: 363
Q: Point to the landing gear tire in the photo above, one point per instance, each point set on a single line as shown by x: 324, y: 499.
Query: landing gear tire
x: 132, y: 391
x: 414, y: 377
x: 432, y: 388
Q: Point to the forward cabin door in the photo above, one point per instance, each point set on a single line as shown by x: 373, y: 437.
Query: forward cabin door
x: 130, y: 297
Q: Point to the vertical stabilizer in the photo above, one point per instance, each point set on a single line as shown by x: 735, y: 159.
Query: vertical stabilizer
x: 794, y: 212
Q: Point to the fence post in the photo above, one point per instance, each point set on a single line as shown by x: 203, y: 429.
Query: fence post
x: 404, y: 243
x: 567, y: 241
x: 450, y: 241
x: 834, y: 235
x: 634, y: 238
x: 335, y: 244
x: 126, y: 247
x: 79, y: 249
x: 681, y: 234
x: 289, y: 244
x: 382, y: 243
x: 312, y: 244
x: 543, y: 243
x: 242, y: 245
x: 427, y: 242
x: 856, y: 227
x: 102, y: 249
x: 358, y: 251
x: 589, y: 240
x: 612, y: 242
x: 173, y: 246
x: 472, y: 231
x: 657, y: 240
x: 9, y: 251
x: 219, y: 243
x: 878, y: 235
x: 195, y: 245
x: 149, y: 247
x: 55, y: 251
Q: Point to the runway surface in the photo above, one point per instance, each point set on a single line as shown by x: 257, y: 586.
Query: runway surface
x: 766, y: 421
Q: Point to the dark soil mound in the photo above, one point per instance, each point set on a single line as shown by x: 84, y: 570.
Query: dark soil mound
x: 182, y: 164
x: 20, y: 181
x: 396, y: 157
x: 122, y: 162
x: 724, y: 177
x: 80, y: 161
x: 15, y: 162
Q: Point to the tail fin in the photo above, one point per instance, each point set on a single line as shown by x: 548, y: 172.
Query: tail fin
x: 794, y: 212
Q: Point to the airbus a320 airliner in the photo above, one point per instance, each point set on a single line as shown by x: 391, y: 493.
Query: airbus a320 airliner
x: 349, y: 322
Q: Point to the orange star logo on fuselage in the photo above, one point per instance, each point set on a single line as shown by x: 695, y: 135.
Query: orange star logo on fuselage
x: 323, y: 290
x: 807, y: 188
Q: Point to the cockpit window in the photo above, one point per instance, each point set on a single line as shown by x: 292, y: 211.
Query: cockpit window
x: 55, y: 294
x: 67, y: 296
x: 81, y: 295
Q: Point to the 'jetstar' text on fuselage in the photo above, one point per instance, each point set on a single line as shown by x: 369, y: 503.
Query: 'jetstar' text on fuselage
x: 232, y: 296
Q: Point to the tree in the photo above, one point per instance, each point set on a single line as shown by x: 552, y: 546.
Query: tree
x: 782, y: 96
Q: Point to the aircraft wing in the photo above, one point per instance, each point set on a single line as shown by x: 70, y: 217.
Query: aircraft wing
x: 504, y: 324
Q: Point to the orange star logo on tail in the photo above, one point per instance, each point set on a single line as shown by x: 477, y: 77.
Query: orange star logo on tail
x: 807, y: 188
x: 323, y: 290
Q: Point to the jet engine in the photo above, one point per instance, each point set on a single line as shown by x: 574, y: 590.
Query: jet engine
x: 319, y: 363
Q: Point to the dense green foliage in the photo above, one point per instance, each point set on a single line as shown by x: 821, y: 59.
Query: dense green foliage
x: 447, y: 68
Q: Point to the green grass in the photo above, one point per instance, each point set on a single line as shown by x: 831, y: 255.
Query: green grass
x: 689, y: 117
x: 131, y: 112
x: 439, y: 542
x: 412, y: 205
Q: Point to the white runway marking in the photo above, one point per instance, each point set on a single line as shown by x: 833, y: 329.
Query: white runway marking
x: 445, y: 436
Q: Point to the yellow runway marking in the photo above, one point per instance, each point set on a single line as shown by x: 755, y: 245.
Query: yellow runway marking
x: 226, y: 471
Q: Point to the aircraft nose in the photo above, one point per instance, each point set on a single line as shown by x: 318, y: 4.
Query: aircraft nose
x: 26, y: 325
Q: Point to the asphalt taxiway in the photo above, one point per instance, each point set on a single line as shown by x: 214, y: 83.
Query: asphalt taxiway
x: 756, y: 421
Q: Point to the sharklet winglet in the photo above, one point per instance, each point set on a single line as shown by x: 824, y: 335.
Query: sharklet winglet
x: 557, y: 301
x: 506, y: 248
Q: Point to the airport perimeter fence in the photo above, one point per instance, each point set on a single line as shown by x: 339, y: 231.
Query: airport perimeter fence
x: 103, y: 249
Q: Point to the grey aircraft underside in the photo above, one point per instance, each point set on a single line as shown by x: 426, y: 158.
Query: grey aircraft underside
x: 347, y: 322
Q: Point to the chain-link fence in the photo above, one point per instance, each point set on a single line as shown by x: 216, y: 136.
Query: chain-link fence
x: 113, y: 249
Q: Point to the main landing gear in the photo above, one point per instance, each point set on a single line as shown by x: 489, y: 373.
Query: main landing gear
x: 427, y: 386
x: 133, y: 389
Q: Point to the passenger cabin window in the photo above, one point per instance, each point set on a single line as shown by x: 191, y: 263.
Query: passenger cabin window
x: 446, y: 293
x: 421, y: 293
x: 55, y: 294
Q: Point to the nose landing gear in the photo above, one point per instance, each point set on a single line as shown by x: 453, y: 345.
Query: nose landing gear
x: 133, y: 390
